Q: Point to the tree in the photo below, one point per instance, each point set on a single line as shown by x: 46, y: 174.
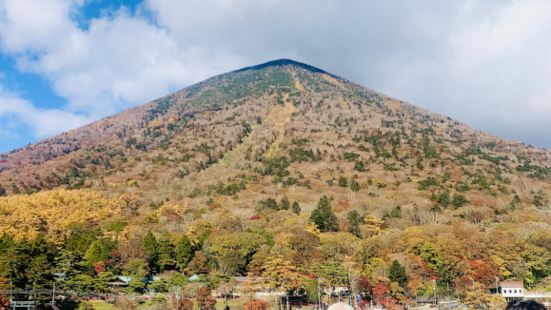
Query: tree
x: 279, y: 273
x: 204, y: 299
x: 152, y: 250
x: 184, y: 252
x: 373, y: 225
x: 199, y: 264
x: 323, y: 216
x: 459, y: 201
x: 359, y: 166
x: 2, y: 191
x: 233, y: 251
x: 257, y: 305
x: 296, y: 208
x: 99, y: 251
x: 166, y: 255
x: 343, y: 182
x: 397, y: 273
x: 330, y: 274
x: 284, y: 204
x: 355, y: 220
x: 269, y: 203
x: 354, y: 185
x: 136, y: 268
x: 540, y: 199
x: 365, y: 288
x: 479, y: 298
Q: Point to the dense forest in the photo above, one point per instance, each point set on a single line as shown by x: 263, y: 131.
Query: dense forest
x: 282, y: 172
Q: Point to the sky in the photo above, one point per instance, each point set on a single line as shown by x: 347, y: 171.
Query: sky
x: 65, y: 63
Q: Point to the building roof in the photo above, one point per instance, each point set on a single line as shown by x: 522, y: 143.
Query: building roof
x: 512, y: 284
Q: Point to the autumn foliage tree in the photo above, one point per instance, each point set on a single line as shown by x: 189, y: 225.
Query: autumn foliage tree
x: 257, y: 305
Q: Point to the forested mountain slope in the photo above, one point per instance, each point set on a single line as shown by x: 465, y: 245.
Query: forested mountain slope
x: 285, y: 160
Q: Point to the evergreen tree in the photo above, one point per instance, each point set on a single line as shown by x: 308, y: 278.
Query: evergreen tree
x: 359, y: 166
x: 152, y: 250
x: 296, y: 208
x: 343, y: 182
x: 167, y: 255
x: 397, y: 273
x: 323, y: 216
x: 99, y: 251
x: 284, y: 204
x: 2, y: 191
x: 354, y: 185
x: 355, y: 220
x: 184, y: 252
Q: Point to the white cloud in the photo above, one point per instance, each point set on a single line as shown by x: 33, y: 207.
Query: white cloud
x: 44, y: 122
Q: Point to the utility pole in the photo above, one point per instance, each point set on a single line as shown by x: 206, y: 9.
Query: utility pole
x: 53, y: 296
x: 434, y: 284
x: 319, y: 296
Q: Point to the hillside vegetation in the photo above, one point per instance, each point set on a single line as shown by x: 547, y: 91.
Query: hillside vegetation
x: 280, y: 169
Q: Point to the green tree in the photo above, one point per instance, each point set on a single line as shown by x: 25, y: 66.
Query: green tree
x: 99, y: 251
x: 167, y: 255
x: 397, y: 273
x: 152, y: 250
x: 359, y: 166
x: 136, y: 268
x: 343, y: 182
x: 184, y: 252
x: 331, y: 274
x: 355, y: 220
x: 459, y: 201
x: 233, y: 251
x: 296, y: 208
x: 323, y: 216
x: 284, y: 203
x: 269, y: 203
x: 354, y: 185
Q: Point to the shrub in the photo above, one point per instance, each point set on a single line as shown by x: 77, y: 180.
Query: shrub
x: 257, y: 305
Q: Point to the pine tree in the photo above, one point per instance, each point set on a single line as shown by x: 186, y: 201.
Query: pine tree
x: 296, y: 208
x: 167, y: 255
x: 397, y: 273
x: 354, y: 185
x: 359, y: 166
x: 323, y: 216
x: 152, y: 250
x: 184, y: 252
x: 355, y: 220
x: 284, y: 204
x: 343, y: 182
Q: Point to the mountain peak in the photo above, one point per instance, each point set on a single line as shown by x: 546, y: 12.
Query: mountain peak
x: 283, y: 62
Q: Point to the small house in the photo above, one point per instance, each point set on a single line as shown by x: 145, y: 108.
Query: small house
x: 512, y: 290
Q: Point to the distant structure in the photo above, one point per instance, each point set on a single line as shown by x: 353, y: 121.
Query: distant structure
x: 514, y: 290
x: 340, y: 306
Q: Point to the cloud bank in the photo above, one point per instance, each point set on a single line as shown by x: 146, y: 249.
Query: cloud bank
x: 482, y: 62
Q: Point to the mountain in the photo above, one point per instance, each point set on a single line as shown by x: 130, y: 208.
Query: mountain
x: 235, y: 151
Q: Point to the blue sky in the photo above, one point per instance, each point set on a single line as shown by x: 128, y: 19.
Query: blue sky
x: 65, y: 63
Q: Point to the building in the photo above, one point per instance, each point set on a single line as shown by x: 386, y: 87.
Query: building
x: 512, y: 290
